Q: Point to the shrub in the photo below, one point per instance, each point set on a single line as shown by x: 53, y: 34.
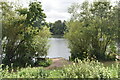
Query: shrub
x: 45, y: 62
x: 90, y: 69
x: 35, y: 72
x: 81, y: 69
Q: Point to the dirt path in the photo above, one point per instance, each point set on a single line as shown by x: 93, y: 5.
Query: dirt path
x: 58, y: 62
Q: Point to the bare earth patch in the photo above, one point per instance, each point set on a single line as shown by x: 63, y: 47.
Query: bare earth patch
x: 58, y: 62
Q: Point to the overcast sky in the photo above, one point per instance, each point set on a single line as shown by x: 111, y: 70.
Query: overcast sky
x: 55, y: 9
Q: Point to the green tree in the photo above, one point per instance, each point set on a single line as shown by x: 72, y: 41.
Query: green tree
x: 23, y: 39
x: 58, y: 28
x: 92, y: 31
x: 79, y: 39
x: 117, y: 20
x: 106, y: 28
x: 34, y: 15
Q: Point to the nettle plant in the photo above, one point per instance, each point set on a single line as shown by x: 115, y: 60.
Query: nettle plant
x: 90, y: 69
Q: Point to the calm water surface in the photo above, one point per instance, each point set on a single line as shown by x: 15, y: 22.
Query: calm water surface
x: 58, y: 48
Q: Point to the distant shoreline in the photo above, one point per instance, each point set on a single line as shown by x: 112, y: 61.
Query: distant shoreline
x: 57, y: 36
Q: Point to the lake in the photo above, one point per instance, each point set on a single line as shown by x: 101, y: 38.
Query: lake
x: 58, y: 48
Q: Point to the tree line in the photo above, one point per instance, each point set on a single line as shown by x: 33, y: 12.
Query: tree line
x: 58, y: 27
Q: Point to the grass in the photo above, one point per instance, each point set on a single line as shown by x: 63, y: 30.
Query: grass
x: 82, y: 69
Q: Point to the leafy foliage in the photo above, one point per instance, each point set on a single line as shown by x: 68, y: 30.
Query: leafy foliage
x: 28, y: 72
x: 92, y: 30
x: 45, y: 63
x: 34, y: 15
x: 81, y: 69
x: 57, y: 28
x: 90, y: 69
x: 22, y: 40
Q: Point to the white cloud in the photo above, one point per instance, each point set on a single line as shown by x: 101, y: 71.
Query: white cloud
x: 54, y: 15
x: 55, y: 9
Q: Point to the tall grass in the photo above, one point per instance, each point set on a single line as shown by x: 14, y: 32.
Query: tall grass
x: 35, y: 72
